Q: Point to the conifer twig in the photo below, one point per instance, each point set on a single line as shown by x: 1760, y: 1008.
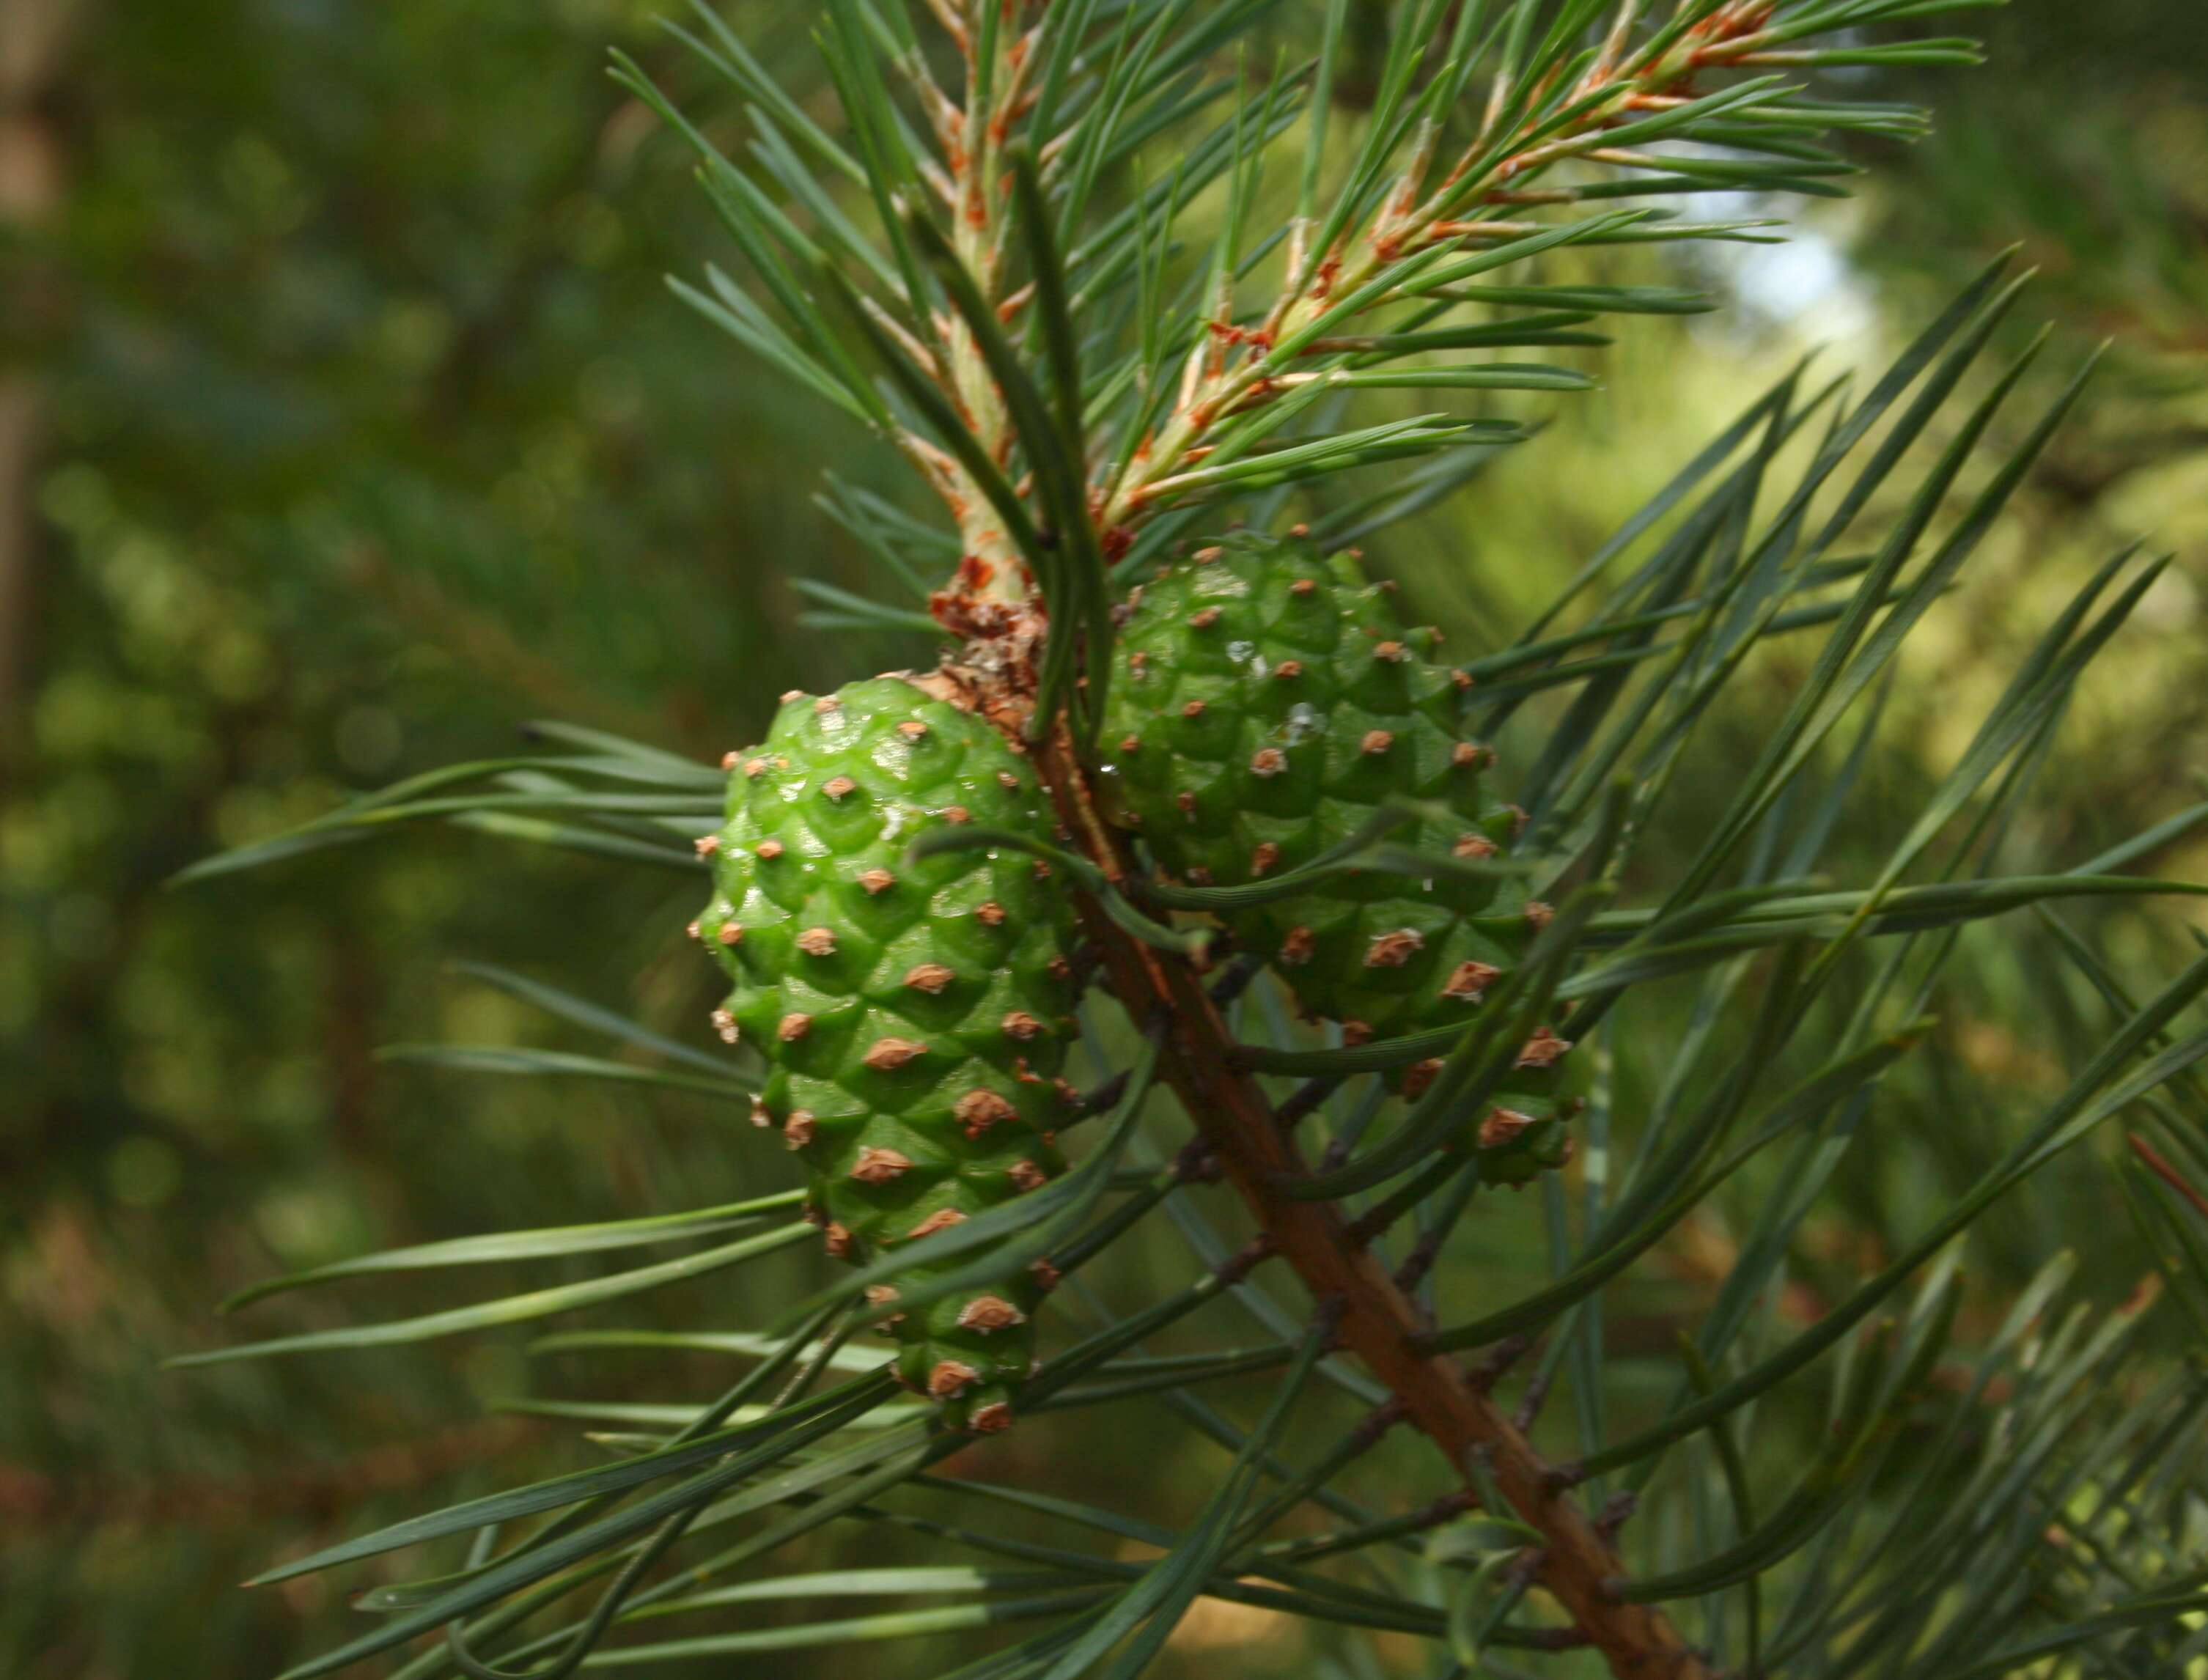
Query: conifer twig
x: 1580, y: 1565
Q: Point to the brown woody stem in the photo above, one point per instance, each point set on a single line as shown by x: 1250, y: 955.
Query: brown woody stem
x: 1379, y: 1323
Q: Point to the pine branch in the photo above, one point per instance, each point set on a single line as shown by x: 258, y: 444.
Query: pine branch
x: 1432, y: 200
x: 1580, y: 1565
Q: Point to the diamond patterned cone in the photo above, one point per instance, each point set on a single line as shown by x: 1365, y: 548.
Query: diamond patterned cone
x: 913, y: 1013
x: 1265, y: 703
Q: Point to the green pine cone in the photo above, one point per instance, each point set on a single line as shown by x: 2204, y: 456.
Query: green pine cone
x: 912, y: 1015
x: 1265, y: 702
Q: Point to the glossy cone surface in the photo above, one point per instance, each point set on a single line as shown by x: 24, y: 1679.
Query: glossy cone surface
x: 913, y: 1014
x: 1265, y: 704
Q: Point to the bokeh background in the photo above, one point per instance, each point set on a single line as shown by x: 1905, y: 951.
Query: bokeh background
x: 345, y: 423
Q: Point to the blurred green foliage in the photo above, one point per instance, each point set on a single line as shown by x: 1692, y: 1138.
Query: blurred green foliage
x: 360, y: 429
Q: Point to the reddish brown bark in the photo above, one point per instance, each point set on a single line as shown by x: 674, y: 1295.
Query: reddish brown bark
x: 1378, y: 1322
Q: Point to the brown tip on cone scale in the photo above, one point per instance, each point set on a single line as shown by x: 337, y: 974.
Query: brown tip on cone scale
x: 1544, y: 1049
x: 1008, y: 782
x: 1393, y: 653
x: 952, y: 1378
x: 1302, y: 586
x: 839, y: 786
x: 1468, y: 982
x: 1538, y: 914
x: 1025, y: 1176
x: 991, y: 914
x: 731, y: 759
x: 729, y: 933
x: 1041, y: 870
x: 1296, y: 949
x: 797, y: 1130
x: 1375, y: 742
x: 1289, y: 668
x: 1192, y: 709
x: 886, y: 1055
x: 957, y: 813
x: 1129, y: 745
x: 912, y: 728
x: 1045, y: 1275
x: 789, y: 694
x: 837, y: 1240
x: 1354, y: 1033
x: 1136, y: 662
x: 1266, y: 856
x: 994, y: 1419
x: 1518, y: 818
x: 707, y: 844
x: 754, y: 768
x: 1419, y: 1075
x: 941, y: 1220
x: 1186, y: 800
x: 759, y: 1115
x: 1059, y: 968
x: 1392, y: 950
x: 1472, y: 846
x: 1461, y: 677
x: 1299, y: 529
x: 826, y: 704
x: 1204, y: 556
x: 881, y: 1166
x: 1019, y: 1024
x: 985, y: 1313
x: 795, y: 1026
x: 1203, y: 618
x: 1469, y: 755
x: 725, y: 1025
x: 881, y: 1294
x: 767, y: 850
x: 692, y: 930
x: 1501, y: 1126
x: 1267, y: 761
x: 928, y: 977
x: 979, y: 1110
x: 817, y: 942
x: 877, y: 881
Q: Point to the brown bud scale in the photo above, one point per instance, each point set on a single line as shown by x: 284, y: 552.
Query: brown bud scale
x: 881, y: 1166
x: 941, y: 1220
x: 979, y: 1110
x: 985, y: 1313
x: 886, y: 1055
x: 1392, y: 950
